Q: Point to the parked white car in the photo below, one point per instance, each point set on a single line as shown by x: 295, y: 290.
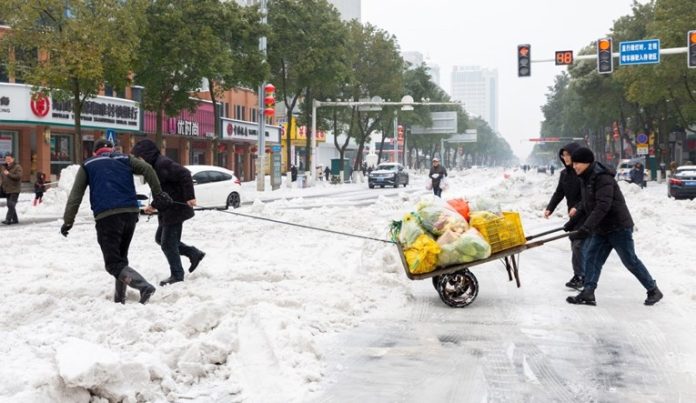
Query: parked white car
x: 215, y: 187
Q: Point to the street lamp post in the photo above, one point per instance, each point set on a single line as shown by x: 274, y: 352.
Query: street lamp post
x: 406, y: 104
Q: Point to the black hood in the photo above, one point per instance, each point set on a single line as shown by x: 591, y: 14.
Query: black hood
x: 597, y: 168
x: 570, y: 148
x: 147, y: 150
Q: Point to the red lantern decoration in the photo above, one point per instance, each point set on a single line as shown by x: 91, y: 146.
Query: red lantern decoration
x: 269, y: 100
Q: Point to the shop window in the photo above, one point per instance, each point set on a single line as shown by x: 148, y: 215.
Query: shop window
x: 61, y: 152
x: 25, y: 59
x: 238, y: 112
x: 108, y: 91
x: 253, y: 115
x: 243, y: 117
x: 8, y: 142
x: 227, y: 109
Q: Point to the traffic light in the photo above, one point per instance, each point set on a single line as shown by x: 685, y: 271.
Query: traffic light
x: 524, y: 60
x: 605, y: 60
x: 691, y: 49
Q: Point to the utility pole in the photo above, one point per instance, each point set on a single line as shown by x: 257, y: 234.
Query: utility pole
x: 261, y: 152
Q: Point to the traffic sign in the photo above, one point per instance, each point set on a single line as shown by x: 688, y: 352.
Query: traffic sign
x: 111, y: 136
x: 642, y: 138
x: 639, y: 52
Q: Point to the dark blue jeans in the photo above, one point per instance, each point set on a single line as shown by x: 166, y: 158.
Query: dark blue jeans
x: 169, y: 238
x: 597, y: 250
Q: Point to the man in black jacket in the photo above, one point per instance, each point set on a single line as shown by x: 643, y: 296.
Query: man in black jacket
x: 609, y: 226
x: 437, y: 174
x: 569, y: 188
x: 177, y: 182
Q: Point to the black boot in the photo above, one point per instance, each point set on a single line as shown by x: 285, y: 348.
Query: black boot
x: 120, y: 292
x: 135, y: 280
x: 170, y: 280
x: 575, y: 282
x: 654, y: 295
x: 195, y: 260
x: 586, y: 297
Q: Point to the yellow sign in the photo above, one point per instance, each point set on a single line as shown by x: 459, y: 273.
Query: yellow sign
x: 298, y: 135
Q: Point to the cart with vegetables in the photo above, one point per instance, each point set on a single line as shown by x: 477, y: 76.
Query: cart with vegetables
x: 448, y: 260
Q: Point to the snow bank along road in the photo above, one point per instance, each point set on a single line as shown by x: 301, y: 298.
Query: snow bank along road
x: 279, y: 314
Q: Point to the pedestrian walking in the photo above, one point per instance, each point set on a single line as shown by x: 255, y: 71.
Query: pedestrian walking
x: 11, y: 185
x: 609, y: 226
x: 637, y: 175
x: 437, y: 174
x: 176, y: 181
x: 569, y: 188
x: 114, y: 203
x: 327, y: 173
x: 293, y: 173
x: 39, y: 188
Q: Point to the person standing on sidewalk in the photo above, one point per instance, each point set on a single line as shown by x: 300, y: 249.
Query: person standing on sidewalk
x: 114, y: 203
x: 609, y: 226
x: 437, y: 174
x: 11, y: 184
x: 177, y: 182
x: 569, y: 188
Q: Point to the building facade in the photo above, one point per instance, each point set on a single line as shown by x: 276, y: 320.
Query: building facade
x: 477, y: 89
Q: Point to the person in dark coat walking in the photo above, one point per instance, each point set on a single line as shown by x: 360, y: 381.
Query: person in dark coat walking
x: 293, y: 173
x: 11, y: 184
x: 437, y: 174
x: 637, y: 175
x: 114, y: 203
x: 609, y: 226
x: 569, y: 188
x: 327, y: 173
x: 177, y: 182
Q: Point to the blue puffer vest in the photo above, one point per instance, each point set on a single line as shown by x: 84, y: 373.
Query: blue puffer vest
x: 110, y: 182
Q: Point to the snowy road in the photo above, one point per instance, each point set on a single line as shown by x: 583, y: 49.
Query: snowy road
x: 519, y: 345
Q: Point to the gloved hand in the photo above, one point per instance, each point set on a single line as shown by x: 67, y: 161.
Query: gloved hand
x: 64, y: 229
x: 567, y: 227
x: 162, y: 201
x: 435, y: 176
x: 583, y: 232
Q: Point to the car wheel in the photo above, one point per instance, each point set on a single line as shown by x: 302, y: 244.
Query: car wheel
x: 371, y: 186
x: 233, y: 200
x: 381, y: 186
x: 396, y: 183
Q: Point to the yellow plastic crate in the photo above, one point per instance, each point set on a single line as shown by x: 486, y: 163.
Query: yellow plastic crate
x: 502, y: 232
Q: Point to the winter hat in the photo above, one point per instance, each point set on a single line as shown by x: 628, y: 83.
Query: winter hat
x: 147, y: 150
x: 583, y: 154
x: 436, y: 159
x: 102, y: 143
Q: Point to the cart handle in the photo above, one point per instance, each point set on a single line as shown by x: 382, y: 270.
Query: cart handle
x: 551, y: 231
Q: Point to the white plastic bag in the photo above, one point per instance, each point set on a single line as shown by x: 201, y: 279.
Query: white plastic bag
x: 444, y: 183
x: 429, y: 185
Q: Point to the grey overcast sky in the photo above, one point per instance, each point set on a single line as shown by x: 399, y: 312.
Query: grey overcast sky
x: 486, y: 33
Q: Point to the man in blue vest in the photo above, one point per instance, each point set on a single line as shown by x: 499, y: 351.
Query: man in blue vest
x: 114, y: 203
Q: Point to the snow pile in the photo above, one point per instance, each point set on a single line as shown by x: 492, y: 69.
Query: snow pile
x: 247, y: 324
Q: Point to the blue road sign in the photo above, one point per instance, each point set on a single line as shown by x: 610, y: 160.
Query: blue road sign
x: 276, y: 149
x: 642, y: 138
x: 639, y: 52
x: 111, y: 136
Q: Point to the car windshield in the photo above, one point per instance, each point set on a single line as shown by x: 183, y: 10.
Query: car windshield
x: 686, y: 172
x: 386, y: 167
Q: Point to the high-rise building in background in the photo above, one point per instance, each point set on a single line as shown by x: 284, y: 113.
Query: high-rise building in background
x: 477, y: 89
x: 416, y: 59
x: 349, y: 9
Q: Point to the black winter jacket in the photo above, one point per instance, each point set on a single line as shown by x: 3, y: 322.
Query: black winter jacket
x: 174, y: 178
x: 441, y: 173
x: 602, y: 201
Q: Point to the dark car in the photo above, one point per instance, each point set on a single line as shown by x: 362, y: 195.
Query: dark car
x: 682, y: 185
x: 388, y: 174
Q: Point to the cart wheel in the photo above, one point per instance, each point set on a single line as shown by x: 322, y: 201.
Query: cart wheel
x: 436, y: 281
x: 458, y: 289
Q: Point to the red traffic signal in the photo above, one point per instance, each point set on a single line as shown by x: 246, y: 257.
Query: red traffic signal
x: 691, y: 49
x: 605, y: 59
x: 524, y: 60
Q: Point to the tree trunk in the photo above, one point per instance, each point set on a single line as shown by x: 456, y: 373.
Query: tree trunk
x: 308, y: 143
x: 77, y: 109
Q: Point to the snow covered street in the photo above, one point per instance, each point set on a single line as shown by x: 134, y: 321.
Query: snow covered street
x: 284, y: 314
